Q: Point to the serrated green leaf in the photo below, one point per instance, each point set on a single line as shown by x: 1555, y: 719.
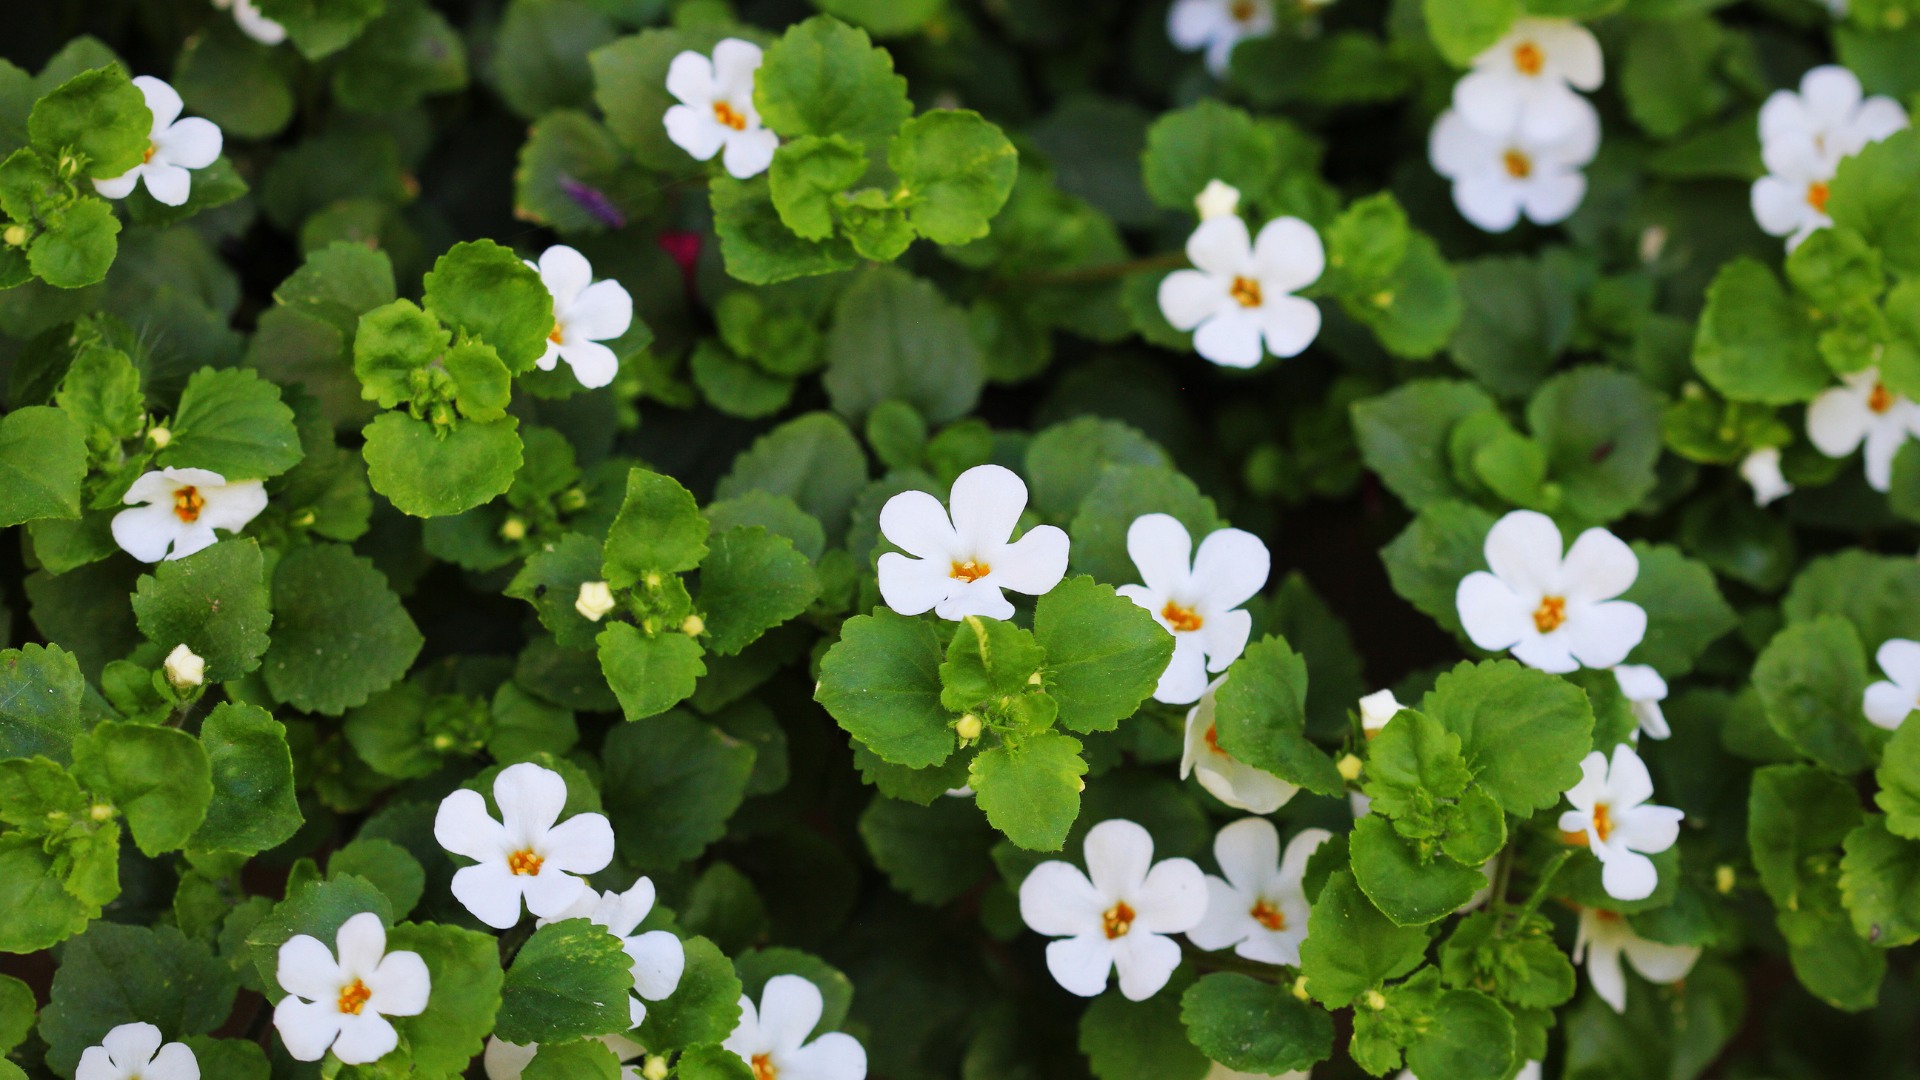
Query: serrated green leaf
x: 340, y: 633
x: 214, y: 602
x: 1031, y: 792
x: 118, y: 974
x: 671, y: 784
x: 1522, y: 732
x: 896, y: 337
x: 1253, y: 1026
x: 881, y: 683
x: 232, y: 422
x: 1351, y: 947
x: 956, y: 170
x: 99, y: 114
x: 1261, y: 719
x: 824, y: 77
x: 253, y: 806
x: 159, y: 778
x: 1103, y: 659
x: 43, y: 460
x: 750, y: 582
x: 1811, y: 678
x: 430, y: 472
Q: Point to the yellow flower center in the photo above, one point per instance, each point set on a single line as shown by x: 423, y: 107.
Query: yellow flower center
x: 1550, y: 614
x: 1180, y: 618
x: 971, y: 571
x: 1602, y: 828
x: 525, y: 862
x: 354, y: 997
x: 1519, y: 166
x: 148, y: 156
x: 729, y: 116
x: 1117, y: 920
x: 554, y: 334
x: 187, y: 504
x: 1879, y: 399
x: 1242, y: 10
x: 1528, y: 58
x: 1245, y: 290
x: 1817, y: 195
x: 1268, y: 916
x: 763, y: 1067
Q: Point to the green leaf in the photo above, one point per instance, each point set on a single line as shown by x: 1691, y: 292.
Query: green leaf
x: 40, y: 693
x: 433, y: 472
x: 1209, y: 140
x: 322, y: 27
x: 464, y: 968
x: 1104, y: 653
x: 1522, y: 732
x: 1685, y: 611
x: 1797, y: 813
x: 1868, y: 195
x: 159, y: 778
x: 750, y: 582
x: 934, y: 853
x: 390, y: 867
x: 735, y: 386
x: 570, y: 979
x: 1351, y: 947
x: 1832, y: 961
x: 484, y: 290
x: 339, y: 634
x: 1031, y: 792
x: 317, y: 909
x: 1261, y: 718
x: 671, y: 783
x: 232, y: 422
x: 805, y: 176
x: 776, y: 513
x: 1811, y: 678
x: 390, y: 343
x: 659, y: 529
x: 253, y: 806
x: 1899, y: 780
x: 824, y: 77
x: 43, y: 459
x: 1403, y: 437
x: 1463, y: 29
x: 524, y: 725
x: 1412, y: 889
x: 78, y: 245
x: 1879, y: 594
x: 1880, y: 883
x: 813, y: 460
x: 896, y: 337
x: 1469, y: 1036
x: 649, y: 675
x: 704, y: 1008
x: 1754, y: 342
x: 214, y: 602
x: 101, y: 392
x: 1065, y: 461
x: 987, y: 658
x: 1253, y: 1026
x: 1600, y: 428
x: 1517, y: 319
x: 117, y: 974
x: 956, y: 171
x: 403, y: 56
x: 97, y: 114
x: 759, y: 247
x: 1521, y: 966
x: 881, y: 682
x: 1124, y: 493
x: 17, y: 1009
x: 1139, y: 1040
x: 550, y: 580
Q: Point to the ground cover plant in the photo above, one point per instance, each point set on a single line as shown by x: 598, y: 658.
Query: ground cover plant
x: 959, y: 539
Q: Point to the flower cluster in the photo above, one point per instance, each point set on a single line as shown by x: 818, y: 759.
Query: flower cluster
x: 1803, y: 139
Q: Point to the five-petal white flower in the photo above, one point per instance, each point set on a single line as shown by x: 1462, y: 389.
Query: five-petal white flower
x: 658, y: 957
x: 173, y: 147
x: 527, y: 855
x: 176, y: 510
x: 1804, y: 137
x: 252, y: 23
x: 1259, y: 908
x: 1497, y: 176
x: 959, y: 565
x: 772, y: 1039
x: 1888, y: 701
x: 133, y: 1052
x: 1761, y: 469
x: 1119, y: 918
x: 1217, y: 26
x: 716, y: 108
x: 1863, y: 410
x: 1524, y: 83
x: 1610, y: 808
x: 1196, y: 598
x: 1644, y: 690
x: 1242, y: 292
x: 1226, y: 777
x: 1604, y: 935
x: 585, y: 313
x: 1554, y: 614
x: 343, y: 1004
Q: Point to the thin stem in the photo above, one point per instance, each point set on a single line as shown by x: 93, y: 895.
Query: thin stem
x: 1227, y: 961
x: 1540, y: 890
x: 1501, y: 875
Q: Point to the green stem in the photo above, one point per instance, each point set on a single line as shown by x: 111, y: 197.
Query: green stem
x: 1540, y: 890
x: 1227, y: 961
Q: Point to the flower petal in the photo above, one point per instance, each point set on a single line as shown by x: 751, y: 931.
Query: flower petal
x: 1659, y: 962
x: 1887, y: 705
x: 1189, y: 297
x: 119, y: 187
x: 1231, y: 338
x: 1548, y: 652
x: 364, y: 1038
x: 1830, y: 93
x: 1638, y: 682
x: 1185, y: 678
x: 745, y: 1040
x: 162, y: 100
x: 232, y: 506
x: 750, y: 152
x: 986, y: 501
x: 1780, y: 207
x: 1552, y: 112
x: 360, y: 942
x: 1551, y: 199
x: 1628, y: 875
x: 566, y: 273
x: 982, y: 598
x: 551, y: 891
x: 1057, y: 900
x: 307, y: 1027
x: 146, y: 532
x: 1227, y: 922
x: 193, y: 143
x: 1649, y: 830
x: 1604, y: 972
x: 1248, y: 852
x: 1883, y: 442
x: 1080, y: 964
x: 1601, y: 635
x: 1172, y: 899
x: 1293, y: 866
x: 593, y: 364
x: 1230, y: 567
x: 1599, y: 566
x: 175, y: 1061
x: 916, y: 523
x: 1493, y: 615
x: 1145, y: 962
x: 95, y: 1065
x: 506, y: 1061
x: 491, y: 892
x: 600, y: 312
x: 1455, y: 148
x: 1491, y: 99
x: 1491, y: 203
x: 132, y: 1046
x: 1289, y: 324
x: 690, y: 78
x: 913, y: 586
x: 306, y: 968
x: 1033, y: 564
x: 1162, y: 551
x: 790, y: 1008
x: 463, y: 826
x: 170, y: 185
x: 192, y: 539
x: 1523, y: 550
x: 694, y: 129
x: 1628, y: 781
x: 1192, y: 24
x: 1220, y: 246
x: 659, y: 959
x: 400, y: 985
x: 1573, y: 53
x: 1288, y: 255
x: 1224, y: 638
x: 530, y: 799
x: 1878, y: 118
x: 1118, y: 854
x: 734, y: 63
x: 1838, y: 420
x: 833, y: 1056
x: 1242, y: 786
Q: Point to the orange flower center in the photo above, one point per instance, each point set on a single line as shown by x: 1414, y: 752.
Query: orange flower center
x: 1550, y: 614
x: 1879, y: 399
x: 1817, y: 195
x: 148, y: 156
x: 726, y: 114
x: 1268, y: 916
x: 1245, y: 290
x: 1528, y: 58
x: 554, y: 335
x: 1519, y: 166
x: 1602, y: 827
x: 187, y: 504
x: 763, y: 1067
x: 354, y: 997
x: 1212, y: 739
x: 1242, y: 10
x: 1117, y: 920
x: 1182, y: 619
x: 525, y: 862
x: 970, y: 570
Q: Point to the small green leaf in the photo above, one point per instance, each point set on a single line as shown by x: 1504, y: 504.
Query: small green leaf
x: 253, y: 806
x: 1522, y: 732
x: 43, y: 459
x: 232, y: 422
x: 1351, y: 947
x: 659, y: 529
x: 649, y: 674
x: 881, y: 682
x: 1410, y: 889
x: 159, y: 778
x: 550, y: 580
x: 484, y: 290
x: 1755, y: 343
x: 750, y: 582
x: 1260, y: 715
x: 1811, y: 678
x: 806, y: 174
x: 390, y: 343
x: 1880, y: 884
x: 897, y: 337
x: 1253, y: 1026
x: 1104, y: 653
x: 1462, y: 29
x: 97, y: 114
x: 1899, y: 780
x: 956, y: 171
x: 570, y: 979
x: 214, y: 602
x: 824, y: 77
x: 1031, y: 792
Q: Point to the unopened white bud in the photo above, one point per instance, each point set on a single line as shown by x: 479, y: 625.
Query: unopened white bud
x: 160, y: 437
x: 1217, y: 199
x: 15, y: 236
x: 513, y: 529
x: 655, y: 1068
x: 1378, y: 708
x: 595, y: 600
x: 967, y: 727
x: 693, y: 626
x: 185, y: 668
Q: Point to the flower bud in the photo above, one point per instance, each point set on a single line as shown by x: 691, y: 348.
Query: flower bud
x: 968, y: 727
x: 573, y: 499
x: 1217, y: 199
x: 185, y: 669
x: 159, y: 437
x: 595, y: 600
x: 100, y: 812
x: 513, y: 529
x: 1035, y: 680
x: 693, y: 626
x: 1375, y: 1000
x: 655, y: 1068
x: 1349, y: 767
x: 1376, y: 709
x: 1723, y: 879
x: 1300, y: 988
x: 15, y: 236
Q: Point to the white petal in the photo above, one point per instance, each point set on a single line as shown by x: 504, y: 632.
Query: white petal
x: 307, y: 1027
x: 1548, y: 652
x: 621, y: 912
x: 1293, y: 867
x: 1227, y: 922
x: 1248, y: 852
x: 1080, y: 964
x: 257, y: 26
x: 913, y: 586
x: 168, y: 184
x: 360, y: 942
x: 1573, y: 53
x: 1493, y: 615
x: 745, y: 1040
x: 1780, y: 207
x: 1628, y: 875
x: 1523, y: 550
x: 1224, y: 638
x: 749, y: 152
x: 1490, y: 99
x: 1638, y: 682
x: 916, y: 523
x: 232, y: 506
x: 1646, y: 829
x: 1627, y: 778
x: 119, y: 187
x: 1145, y: 962
x: 833, y: 1056
x: 986, y: 502
x: 1185, y: 678
x: 505, y: 1060
x: 1221, y: 247
x: 192, y: 539
x: 593, y: 364
x: 1231, y: 338
x: 1456, y: 148
x: 530, y: 800
x: 1601, y: 635
x: 1553, y: 112
x: 1242, y: 786
x: 1593, y: 782
x: 659, y: 959
x: 982, y: 598
x: 1191, y: 24
x: 1900, y: 660
x: 146, y: 532
x: 694, y: 129
x: 1609, y: 981
x: 1659, y: 962
x: 193, y: 143
x: 1887, y: 705
x: 1162, y: 552
x: 734, y: 64
x: 95, y: 1065
x: 1599, y: 566
x: 1830, y: 93
x: 1289, y: 324
x: 1878, y: 118
x: 491, y: 892
x: 566, y: 273
x: 364, y: 1038
x: 132, y: 1046
x: 1230, y: 567
x: 1491, y: 203
x: 162, y: 100
x: 1034, y: 564
x: 551, y: 891
x: 1287, y: 255
x: 690, y: 78
x: 463, y: 826
x: 306, y: 968
x: 1173, y: 899
x: 175, y: 1061
x: 1838, y: 420
x: 400, y: 985
x: 1189, y: 297
x: 1118, y: 854
x: 790, y: 1007
x: 1057, y: 900
x: 1551, y: 199
x: 1883, y: 442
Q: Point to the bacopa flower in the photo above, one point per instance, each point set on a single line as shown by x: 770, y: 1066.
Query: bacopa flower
x: 1863, y: 411
x: 525, y: 854
x: 585, y: 313
x: 176, y: 510
x: 1499, y: 176
x: 1554, y: 614
x: 1229, y: 779
x: 1610, y: 812
x: 772, y: 1039
x: 1217, y: 26
x: 658, y: 957
x: 133, y: 1052
x: 1604, y: 935
x: 1118, y: 917
x: 1376, y: 709
x: 1803, y: 139
x: 173, y: 147
x: 1524, y: 83
x: 1888, y: 701
x: 506, y: 1061
x: 1644, y: 690
x: 716, y: 110
x: 1259, y: 908
x: 252, y: 23
x: 1761, y: 470
x: 961, y: 563
x: 1196, y: 598
x: 343, y: 1003
x: 1242, y: 292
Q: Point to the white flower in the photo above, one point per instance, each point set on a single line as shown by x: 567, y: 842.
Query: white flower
x: 1259, y: 908
x: 185, y: 668
x: 344, y: 1004
x: 1497, y: 177
x: 1196, y: 597
x: 1555, y: 615
x: 1888, y: 702
x: 717, y: 110
x: 173, y: 147
x: 1609, y: 806
x: 1604, y: 935
x: 1863, y: 410
x: 772, y: 1039
x: 1376, y: 709
x: 1221, y: 1072
x: 585, y: 313
x: 1644, y: 690
x: 526, y: 856
x: 1761, y: 469
x: 133, y: 1052
x: 178, y: 509
x: 506, y: 1061
x: 1242, y: 291
x: 1118, y: 919
x: 960, y: 565
x: 252, y: 23
x: 1217, y: 26
x: 1217, y: 199
x: 658, y: 957
x: 1804, y: 137
x: 594, y: 601
x: 1521, y: 83
x: 1231, y: 780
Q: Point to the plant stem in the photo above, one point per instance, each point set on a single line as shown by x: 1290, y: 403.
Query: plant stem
x: 1540, y: 890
